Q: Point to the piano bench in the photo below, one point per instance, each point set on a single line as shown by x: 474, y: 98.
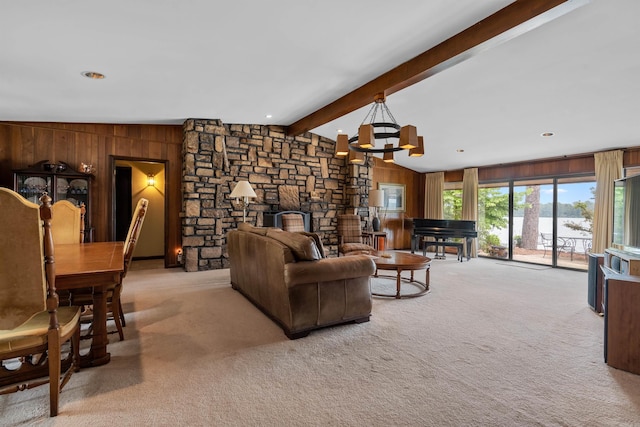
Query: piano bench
x: 443, y: 244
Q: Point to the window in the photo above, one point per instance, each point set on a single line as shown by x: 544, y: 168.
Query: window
x: 452, y: 200
x: 493, y: 220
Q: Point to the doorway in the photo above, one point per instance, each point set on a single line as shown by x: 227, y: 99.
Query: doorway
x: 122, y: 202
x: 133, y: 179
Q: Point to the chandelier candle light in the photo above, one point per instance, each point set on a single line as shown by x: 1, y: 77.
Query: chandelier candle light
x: 385, y: 128
x: 242, y: 192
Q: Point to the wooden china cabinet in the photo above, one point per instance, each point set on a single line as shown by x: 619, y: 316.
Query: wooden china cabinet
x: 60, y: 181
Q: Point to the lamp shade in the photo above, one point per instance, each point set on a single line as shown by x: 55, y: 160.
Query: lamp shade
x: 356, y: 157
x: 243, y: 189
x: 388, y: 156
x: 342, y: 145
x: 376, y: 198
x: 366, y: 138
x: 408, y: 137
x: 419, y: 150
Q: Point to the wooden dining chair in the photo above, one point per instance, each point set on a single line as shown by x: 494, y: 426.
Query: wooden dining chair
x: 129, y: 246
x: 33, y: 329
x: 67, y: 227
x: 67, y: 222
x: 114, y: 303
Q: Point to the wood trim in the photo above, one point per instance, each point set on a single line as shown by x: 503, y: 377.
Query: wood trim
x: 557, y: 167
x: 509, y: 22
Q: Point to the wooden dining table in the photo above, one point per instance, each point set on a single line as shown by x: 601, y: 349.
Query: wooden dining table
x: 93, y: 267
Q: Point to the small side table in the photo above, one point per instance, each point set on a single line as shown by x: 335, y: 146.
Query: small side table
x: 377, y: 239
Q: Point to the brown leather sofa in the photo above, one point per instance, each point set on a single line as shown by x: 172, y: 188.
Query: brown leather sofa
x: 286, y: 276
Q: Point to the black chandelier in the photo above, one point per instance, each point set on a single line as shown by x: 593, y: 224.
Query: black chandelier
x: 386, y: 128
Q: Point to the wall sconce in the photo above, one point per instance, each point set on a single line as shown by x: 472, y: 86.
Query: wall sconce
x: 242, y: 192
x: 151, y: 180
x: 179, y: 256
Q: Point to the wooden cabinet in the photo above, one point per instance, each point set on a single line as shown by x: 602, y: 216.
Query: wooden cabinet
x: 621, y: 310
x: 60, y: 181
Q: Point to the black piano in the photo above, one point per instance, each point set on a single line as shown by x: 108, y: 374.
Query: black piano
x: 442, y: 230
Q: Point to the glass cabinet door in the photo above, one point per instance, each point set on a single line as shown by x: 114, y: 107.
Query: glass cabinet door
x: 60, y: 181
x: 31, y: 187
x: 74, y: 190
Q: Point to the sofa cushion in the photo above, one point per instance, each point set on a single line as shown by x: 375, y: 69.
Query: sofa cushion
x: 243, y: 226
x: 317, y: 240
x: 303, y: 247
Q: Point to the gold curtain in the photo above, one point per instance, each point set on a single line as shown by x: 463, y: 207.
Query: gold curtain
x: 434, y: 186
x: 608, y: 168
x: 470, y: 201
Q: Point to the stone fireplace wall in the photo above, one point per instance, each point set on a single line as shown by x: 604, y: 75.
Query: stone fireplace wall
x: 285, y: 172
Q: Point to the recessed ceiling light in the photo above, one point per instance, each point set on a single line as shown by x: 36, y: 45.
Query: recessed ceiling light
x: 460, y: 150
x: 339, y: 130
x: 268, y: 116
x: 93, y: 75
x: 546, y: 134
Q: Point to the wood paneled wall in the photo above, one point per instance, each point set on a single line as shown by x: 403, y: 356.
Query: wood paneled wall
x: 398, y: 225
x: 631, y: 157
x: 556, y: 167
x: 24, y: 144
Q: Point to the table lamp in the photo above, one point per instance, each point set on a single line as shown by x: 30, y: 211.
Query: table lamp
x: 376, y: 200
x: 242, y: 192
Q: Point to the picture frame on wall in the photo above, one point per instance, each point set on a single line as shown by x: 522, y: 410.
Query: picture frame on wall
x: 394, y: 197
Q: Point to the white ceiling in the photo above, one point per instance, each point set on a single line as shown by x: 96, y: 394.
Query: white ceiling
x: 165, y: 61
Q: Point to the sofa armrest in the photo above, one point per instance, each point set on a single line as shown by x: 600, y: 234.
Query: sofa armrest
x: 328, y: 269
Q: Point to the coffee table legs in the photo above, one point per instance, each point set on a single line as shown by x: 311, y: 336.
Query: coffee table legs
x: 397, y: 294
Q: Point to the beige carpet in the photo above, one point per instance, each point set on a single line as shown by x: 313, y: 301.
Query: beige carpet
x: 491, y: 344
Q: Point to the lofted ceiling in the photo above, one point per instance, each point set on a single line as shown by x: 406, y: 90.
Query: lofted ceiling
x: 239, y: 61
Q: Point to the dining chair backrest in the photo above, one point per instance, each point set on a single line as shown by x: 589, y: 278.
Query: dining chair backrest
x: 33, y: 327
x: 67, y: 222
x: 134, y: 232
x: 23, y: 288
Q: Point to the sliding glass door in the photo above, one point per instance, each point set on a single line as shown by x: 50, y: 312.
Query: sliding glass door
x: 533, y: 221
x: 574, y: 222
x: 542, y: 221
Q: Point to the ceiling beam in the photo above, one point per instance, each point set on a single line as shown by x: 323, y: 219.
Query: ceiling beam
x: 511, y: 21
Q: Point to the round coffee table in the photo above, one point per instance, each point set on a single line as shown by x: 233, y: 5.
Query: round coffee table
x: 399, y: 262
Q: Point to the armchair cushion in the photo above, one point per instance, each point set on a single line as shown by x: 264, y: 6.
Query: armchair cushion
x: 292, y: 222
x: 355, y: 247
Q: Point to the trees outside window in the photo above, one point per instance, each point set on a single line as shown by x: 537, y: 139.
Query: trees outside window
x: 452, y: 200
